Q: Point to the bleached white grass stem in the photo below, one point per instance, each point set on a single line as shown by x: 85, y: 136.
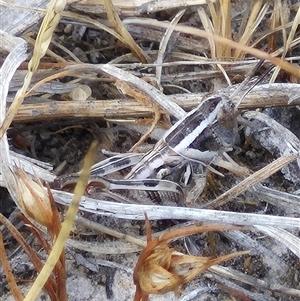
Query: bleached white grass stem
x: 136, y: 212
x: 17, y: 48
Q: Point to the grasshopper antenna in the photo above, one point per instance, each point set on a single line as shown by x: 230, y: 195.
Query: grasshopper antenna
x: 247, y: 80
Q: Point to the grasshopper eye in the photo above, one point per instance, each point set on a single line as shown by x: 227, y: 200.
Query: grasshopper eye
x: 227, y: 115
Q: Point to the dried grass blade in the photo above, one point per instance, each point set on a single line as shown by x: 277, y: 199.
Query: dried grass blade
x: 99, y: 227
x: 43, y: 40
x: 284, y: 9
x: 164, y: 43
x: 106, y: 247
x: 295, y: 70
x: 182, y: 232
x: 59, y: 270
x: 274, y: 22
x: 214, y: 15
x: 245, y: 15
x: 226, y: 272
x: 236, y: 291
x: 288, y: 43
x: 13, y: 287
x: 271, y: 260
x: 154, y: 6
x: 87, y: 20
x: 157, y: 97
x: 255, y: 178
x: 17, y: 16
x: 133, y: 211
x: 117, y: 24
x: 199, y: 291
x: 66, y: 226
x: 226, y: 32
x: 17, y: 48
x: 256, y: 15
x: 152, y: 93
x: 288, y: 239
x: 210, y: 30
x: 289, y: 202
x: 206, y: 22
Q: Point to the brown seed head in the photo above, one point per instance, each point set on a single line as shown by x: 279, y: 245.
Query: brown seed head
x: 34, y: 199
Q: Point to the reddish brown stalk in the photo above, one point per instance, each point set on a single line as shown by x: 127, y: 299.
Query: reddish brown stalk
x: 38, y: 265
x: 36, y: 233
x: 13, y: 287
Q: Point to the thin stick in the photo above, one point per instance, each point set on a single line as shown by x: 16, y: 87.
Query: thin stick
x: 154, y: 212
x: 261, y: 96
x: 295, y: 70
x: 66, y: 226
x: 13, y: 287
x: 50, y: 284
x: 255, y: 178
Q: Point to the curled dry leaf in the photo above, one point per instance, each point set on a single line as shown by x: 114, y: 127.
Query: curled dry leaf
x: 160, y: 269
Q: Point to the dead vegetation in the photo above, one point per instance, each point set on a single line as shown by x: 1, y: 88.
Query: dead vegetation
x: 140, y: 77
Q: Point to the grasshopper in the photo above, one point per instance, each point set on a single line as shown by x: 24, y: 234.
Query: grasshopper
x: 197, y: 139
x: 200, y: 136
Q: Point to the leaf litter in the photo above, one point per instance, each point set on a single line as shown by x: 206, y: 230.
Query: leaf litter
x: 173, y: 67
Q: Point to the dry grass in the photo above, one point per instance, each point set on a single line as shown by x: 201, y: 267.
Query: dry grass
x: 156, y: 49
